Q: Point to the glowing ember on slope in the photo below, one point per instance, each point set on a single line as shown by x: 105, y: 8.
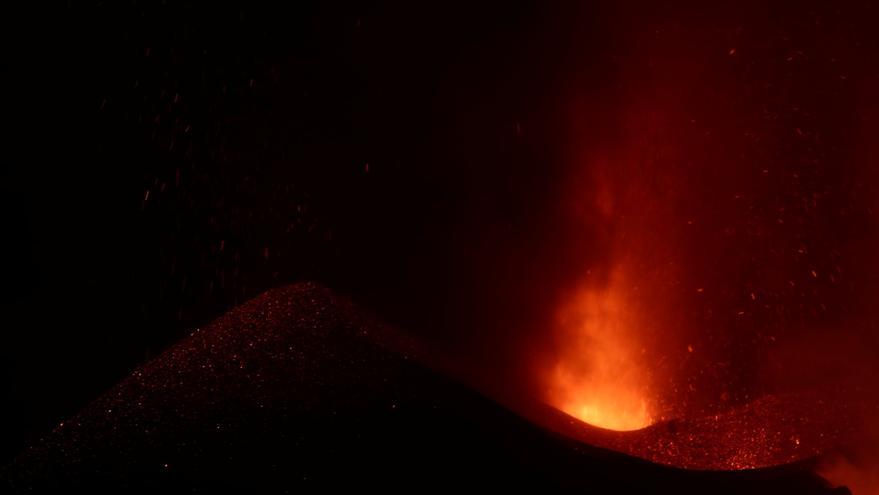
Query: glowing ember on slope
x: 598, y: 377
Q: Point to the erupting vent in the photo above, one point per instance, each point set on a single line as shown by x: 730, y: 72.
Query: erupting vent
x: 599, y: 377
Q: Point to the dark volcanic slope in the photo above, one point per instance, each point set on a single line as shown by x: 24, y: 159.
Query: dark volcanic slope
x: 296, y: 389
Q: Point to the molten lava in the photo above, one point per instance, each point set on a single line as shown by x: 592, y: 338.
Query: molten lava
x: 599, y: 377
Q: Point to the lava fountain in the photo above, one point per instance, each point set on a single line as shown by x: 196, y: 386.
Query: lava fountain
x: 599, y: 377
x: 720, y: 295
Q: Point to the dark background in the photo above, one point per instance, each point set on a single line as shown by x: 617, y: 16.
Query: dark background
x: 168, y: 161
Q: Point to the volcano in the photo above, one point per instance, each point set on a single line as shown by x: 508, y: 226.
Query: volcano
x: 300, y: 389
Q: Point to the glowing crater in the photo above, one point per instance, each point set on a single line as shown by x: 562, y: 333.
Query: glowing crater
x: 598, y: 376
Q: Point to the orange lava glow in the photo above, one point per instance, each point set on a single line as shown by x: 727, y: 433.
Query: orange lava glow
x: 712, y: 303
x: 598, y: 377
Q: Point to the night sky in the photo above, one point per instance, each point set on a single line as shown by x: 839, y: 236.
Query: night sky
x: 173, y: 160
